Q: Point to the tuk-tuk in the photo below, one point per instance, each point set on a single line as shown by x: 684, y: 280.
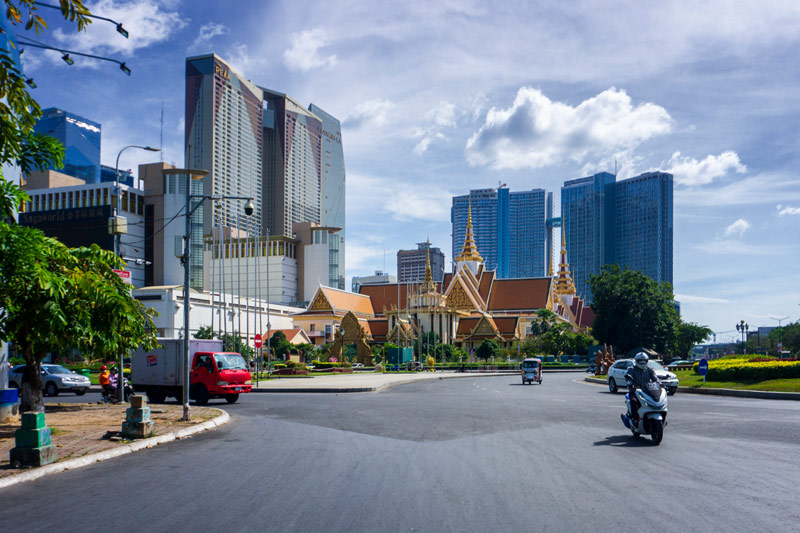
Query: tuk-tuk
x: 531, y: 370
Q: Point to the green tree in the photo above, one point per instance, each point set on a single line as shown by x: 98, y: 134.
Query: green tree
x: 688, y: 335
x: 632, y: 310
x: 233, y: 342
x: 307, y: 352
x: 204, y: 332
x: 56, y: 298
x: 279, y: 345
x: 488, y: 350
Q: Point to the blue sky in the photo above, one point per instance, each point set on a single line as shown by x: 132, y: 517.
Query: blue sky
x: 440, y: 97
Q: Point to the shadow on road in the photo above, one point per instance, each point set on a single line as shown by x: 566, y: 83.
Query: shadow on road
x: 623, y: 440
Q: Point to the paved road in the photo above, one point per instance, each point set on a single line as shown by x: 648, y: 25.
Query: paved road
x: 481, y: 454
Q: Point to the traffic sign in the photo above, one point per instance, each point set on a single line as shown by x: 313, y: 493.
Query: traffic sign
x: 257, y: 340
x: 702, y: 369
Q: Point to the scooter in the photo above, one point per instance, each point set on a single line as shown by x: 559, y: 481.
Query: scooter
x: 652, y: 411
x: 110, y: 395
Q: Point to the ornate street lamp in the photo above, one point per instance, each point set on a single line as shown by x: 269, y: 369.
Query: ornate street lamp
x: 743, y: 327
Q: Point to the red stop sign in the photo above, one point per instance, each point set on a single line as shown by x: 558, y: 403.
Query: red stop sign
x: 257, y: 340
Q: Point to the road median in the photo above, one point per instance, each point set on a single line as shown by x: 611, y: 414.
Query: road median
x: 739, y: 393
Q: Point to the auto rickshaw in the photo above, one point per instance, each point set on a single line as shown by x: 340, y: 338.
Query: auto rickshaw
x: 531, y: 370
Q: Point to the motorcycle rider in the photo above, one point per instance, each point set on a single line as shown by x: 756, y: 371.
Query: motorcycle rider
x: 638, y: 375
x: 105, y: 382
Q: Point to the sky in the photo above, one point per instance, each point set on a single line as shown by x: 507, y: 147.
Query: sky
x: 437, y: 98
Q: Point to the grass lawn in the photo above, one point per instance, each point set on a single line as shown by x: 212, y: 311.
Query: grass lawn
x: 687, y: 378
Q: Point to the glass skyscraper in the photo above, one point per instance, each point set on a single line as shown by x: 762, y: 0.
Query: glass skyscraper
x: 510, y: 229
x: 81, y: 140
x: 627, y: 222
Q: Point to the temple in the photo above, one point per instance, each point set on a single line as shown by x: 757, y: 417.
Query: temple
x: 467, y: 307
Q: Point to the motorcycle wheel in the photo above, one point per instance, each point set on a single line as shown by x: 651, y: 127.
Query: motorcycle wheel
x: 656, y: 431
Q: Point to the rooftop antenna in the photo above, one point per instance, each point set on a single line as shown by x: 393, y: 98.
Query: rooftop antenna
x: 162, y: 132
x: 615, y: 167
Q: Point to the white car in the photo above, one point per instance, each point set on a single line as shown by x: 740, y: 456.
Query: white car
x: 55, y: 379
x: 616, y: 376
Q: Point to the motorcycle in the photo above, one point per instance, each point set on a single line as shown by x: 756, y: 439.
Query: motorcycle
x: 110, y: 394
x: 652, y: 411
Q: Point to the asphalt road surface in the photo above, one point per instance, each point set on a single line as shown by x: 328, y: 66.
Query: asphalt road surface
x: 471, y: 454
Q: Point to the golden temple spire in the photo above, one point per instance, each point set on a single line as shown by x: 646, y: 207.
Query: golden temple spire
x: 469, y: 252
x: 428, y: 286
x: 564, y: 284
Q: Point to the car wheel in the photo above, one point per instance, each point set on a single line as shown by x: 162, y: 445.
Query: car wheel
x: 612, y: 386
x: 671, y: 392
x: 231, y: 398
x: 50, y: 389
x: 156, y: 395
x: 200, y: 395
x: 80, y: 392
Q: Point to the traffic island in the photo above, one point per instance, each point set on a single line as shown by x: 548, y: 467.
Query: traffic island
x: 32, y: 443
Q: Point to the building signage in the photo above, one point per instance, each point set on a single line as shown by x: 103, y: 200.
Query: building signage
x: 125, y: 275
x: 220, y: 71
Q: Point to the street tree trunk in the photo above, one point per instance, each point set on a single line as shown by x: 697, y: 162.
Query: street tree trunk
x: 32, y: 400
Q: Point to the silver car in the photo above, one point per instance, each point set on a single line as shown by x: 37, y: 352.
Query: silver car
x: 616, y: 375
x: 55, y: 379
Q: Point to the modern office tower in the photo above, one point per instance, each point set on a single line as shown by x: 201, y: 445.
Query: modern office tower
x: 332, y: 192
x: 81, y: 140
x: 76, y: 213
x: 587, y: 215
x: 411, y: 263
x: 224, y: 135
x: 627, y: 222
x: 643, y: 225
x: 292, y: 163
x: 379, y: 278
x: 510, y: 229
x: 109, y: 174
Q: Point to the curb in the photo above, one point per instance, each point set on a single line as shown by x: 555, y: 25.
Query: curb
x: 762, y: 394
x: 125, y: 449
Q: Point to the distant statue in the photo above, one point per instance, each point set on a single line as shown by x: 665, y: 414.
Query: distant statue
x: 603, y: 360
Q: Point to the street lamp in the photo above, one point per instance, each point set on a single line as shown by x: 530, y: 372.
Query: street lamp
x: 119, y: 225
x: 743, y: 327
x: 193, y: 174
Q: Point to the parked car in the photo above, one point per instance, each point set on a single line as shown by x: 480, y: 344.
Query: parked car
x: 358, y: 365
x: 55, y: 379
x: 681, y: 362
x: 616, y: 375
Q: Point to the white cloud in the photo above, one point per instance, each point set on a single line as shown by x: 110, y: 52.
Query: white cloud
x: 427, y: 204
x: 536, y: 132
x: 690, y: 172
x: 359, y: 255
x: 788, y: 210
x: 207, y: 32
x: 303, y: 54
x: 147, y: 21
x: 375, y: 112
x: 690, y: 299
x: 422, y: 146
x: 764, y: 188
x: 732, y: 246
x: 737, y: 228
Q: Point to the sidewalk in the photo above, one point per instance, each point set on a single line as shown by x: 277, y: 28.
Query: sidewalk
x: 357, y: 381
x: 78, y: 430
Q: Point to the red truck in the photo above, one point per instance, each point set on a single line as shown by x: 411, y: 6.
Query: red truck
x: 213, y: 374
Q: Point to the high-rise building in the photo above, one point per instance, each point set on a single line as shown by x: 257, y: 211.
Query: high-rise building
x: 510, y: 229
x: 411, y: 263
x: 627, y: 222
x: 81, y: 140
x: 224, y: 135
x: 332, y: 192
x: 109, y: 174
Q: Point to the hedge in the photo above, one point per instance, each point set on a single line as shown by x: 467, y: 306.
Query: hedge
x: 744, y: 368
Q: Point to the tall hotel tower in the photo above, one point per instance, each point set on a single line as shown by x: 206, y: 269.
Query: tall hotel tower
x: 224, y: 135
x: 627, y: 222
x: 510, y: 229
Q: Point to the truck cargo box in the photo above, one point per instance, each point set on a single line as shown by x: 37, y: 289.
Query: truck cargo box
x: 164, y: 366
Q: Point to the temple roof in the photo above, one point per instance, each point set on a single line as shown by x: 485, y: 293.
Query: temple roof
x: 519, y: 294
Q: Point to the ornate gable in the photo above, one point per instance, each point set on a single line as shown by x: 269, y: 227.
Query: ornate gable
x: 320, y: 303
x: 458, y: 297
x: 484, y: 327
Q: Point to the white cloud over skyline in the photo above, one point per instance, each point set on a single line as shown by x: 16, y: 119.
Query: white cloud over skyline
x: 690, y: 172
x: 737, y: 228
x: 784, y: 210
x: 304, y: 52
x: 536, y: 131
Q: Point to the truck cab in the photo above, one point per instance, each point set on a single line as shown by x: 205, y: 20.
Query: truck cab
x: 218, y: 375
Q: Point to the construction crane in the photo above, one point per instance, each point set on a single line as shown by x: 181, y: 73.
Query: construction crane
x: 500, y: 185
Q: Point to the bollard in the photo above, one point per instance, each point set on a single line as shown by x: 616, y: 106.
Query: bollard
x: 32, y: 443
x: 137, y: 423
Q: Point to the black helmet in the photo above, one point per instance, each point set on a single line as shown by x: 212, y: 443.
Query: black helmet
x: 641, y: 360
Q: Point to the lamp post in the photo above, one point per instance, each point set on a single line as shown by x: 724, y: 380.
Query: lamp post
x: 119, y: 225
x: 192, y: 174
x: 743, y: 327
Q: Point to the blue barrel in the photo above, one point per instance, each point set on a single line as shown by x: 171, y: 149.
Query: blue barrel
x: 9, y: 396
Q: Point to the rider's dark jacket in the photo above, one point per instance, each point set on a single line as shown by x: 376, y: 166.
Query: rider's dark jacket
x: 641, y: 376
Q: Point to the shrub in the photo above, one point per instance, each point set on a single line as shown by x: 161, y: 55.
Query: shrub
x: 749, y: 368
